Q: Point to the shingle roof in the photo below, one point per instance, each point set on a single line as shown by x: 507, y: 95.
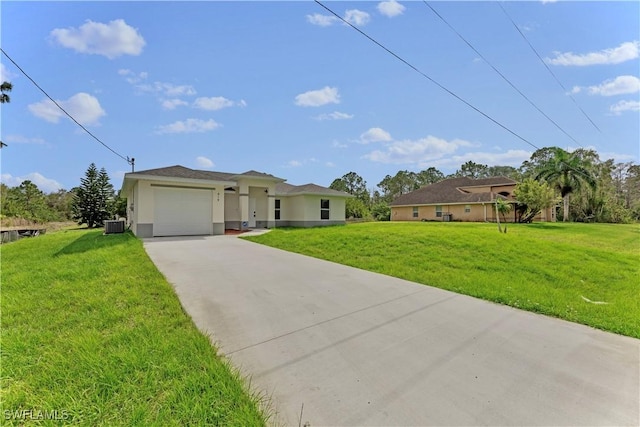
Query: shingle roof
x: 291, y: 190
x: 451, y: 191
x: 178, y: 171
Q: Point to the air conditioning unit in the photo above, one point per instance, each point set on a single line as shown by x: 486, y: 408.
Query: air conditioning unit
x: 113, y: 227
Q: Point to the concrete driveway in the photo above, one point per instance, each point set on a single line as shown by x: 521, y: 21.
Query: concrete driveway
x: 349, y: 347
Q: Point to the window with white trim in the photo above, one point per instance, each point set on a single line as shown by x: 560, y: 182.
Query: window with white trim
x: 415, y: 212
x: 467, y: 208
x: 439, y: 211
x: 277, y: 212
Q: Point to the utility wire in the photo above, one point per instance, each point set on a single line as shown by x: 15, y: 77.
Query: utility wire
x: 547, y: 67
x: 417, y: 70
x: 499, y: 73
x: 127, y: 159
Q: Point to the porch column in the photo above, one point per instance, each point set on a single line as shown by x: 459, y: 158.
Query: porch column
x: 271, y: 208
x: 243, y: 196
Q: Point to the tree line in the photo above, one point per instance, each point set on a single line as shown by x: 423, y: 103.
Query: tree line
x: 590, y: 189
x: 92, y: 202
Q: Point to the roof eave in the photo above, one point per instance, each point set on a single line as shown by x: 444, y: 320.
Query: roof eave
x: 130, y: 177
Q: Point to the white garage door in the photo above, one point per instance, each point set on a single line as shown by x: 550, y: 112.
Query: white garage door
x: 182, y: 212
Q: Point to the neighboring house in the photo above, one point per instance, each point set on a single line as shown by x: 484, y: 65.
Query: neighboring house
x: 459, y: 199
x: 176, y: 200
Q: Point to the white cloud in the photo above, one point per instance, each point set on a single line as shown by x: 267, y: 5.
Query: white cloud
x: 294, y: 163
x: 390, y: 8
x: 621, y: 106
x: 189, y: 126
x: 322, y: 20
x: 132, y: 77
x: 19, y: 139
x: 217, y: 103
x: 45, y: 184
x: 621, y: 85
x: 548, y: 1
x: 111, y: 40
x: 83, y: 107
x: 204, y: 162
x: 5, y: 74
x: 317, y: 98
x: 168, y: 89
x: 172, y: 104
x: 336, y: 115
x: 337, y: 144
x: 330, y: 164
x: 416, y: 151
x: 356, y: 17
x: 625, y: 52
x: 375, y: 135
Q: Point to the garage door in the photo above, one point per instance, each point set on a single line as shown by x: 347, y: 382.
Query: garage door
x: 182, y: 212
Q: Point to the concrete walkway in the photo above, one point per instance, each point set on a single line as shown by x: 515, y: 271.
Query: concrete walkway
x: 358, y: 348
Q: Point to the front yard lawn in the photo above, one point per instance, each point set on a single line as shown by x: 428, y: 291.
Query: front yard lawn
x: 585, y: 273
x: 92, y: 334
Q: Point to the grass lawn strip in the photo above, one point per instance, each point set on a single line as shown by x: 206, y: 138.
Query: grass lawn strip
x: 93, y: 334
x: 585, y: 273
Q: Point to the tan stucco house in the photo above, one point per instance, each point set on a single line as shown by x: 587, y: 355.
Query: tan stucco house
x: 176, y: 200
x: 459, y: 199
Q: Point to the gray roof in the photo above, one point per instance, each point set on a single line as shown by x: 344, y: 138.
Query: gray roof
x: 452, y: 191
x: 308, y: 189
x: 178, y: 171
x: 282, y: 188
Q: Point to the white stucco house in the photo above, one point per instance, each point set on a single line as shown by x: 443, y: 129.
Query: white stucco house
x: 178, y: 201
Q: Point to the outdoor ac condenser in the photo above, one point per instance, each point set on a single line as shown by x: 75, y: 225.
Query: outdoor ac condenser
x: 112, y: 227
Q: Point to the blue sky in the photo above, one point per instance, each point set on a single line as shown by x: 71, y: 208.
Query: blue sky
x: 287, y: 89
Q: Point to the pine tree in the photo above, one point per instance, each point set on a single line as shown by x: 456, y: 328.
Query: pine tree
x: 92, y: 201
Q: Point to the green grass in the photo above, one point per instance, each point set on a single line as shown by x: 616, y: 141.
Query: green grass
x: 92, y: 330
x: 544, y: 267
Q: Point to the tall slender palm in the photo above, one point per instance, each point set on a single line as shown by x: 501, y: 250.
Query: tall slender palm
x: 567, y: 172
x: 5, y: 87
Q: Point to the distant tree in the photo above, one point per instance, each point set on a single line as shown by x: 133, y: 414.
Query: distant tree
x: 428, y: 176
x: 381, y: 211
x: 93, y: 199
x: 533, y: 196
x: 25, y: 201
x: 567, y: 172
x: 355, y: 208
x: 473, y: 170
x: 353, y: 184
x: 4, y: 88
x: 401, y: 183
x: 120, y: 206
x: 507, y: 171
x: 60, y: 204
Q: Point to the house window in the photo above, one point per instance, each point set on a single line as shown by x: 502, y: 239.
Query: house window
x: 324, y: 209
x: 277, y: 215
x: 467, y: 208
x: 439, y: 211
x: 415, y: 212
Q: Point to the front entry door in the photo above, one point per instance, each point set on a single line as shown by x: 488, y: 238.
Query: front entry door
x: 252, y: 212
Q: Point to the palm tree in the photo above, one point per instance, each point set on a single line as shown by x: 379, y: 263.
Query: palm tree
x: 502, y: 208
x: 567, y: 172
x: 5, y: 87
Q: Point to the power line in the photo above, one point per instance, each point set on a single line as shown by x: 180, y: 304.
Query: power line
x: 499, y: 73
x: 414, y: 68
x: 547, y: 67
x: 127, y: 159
